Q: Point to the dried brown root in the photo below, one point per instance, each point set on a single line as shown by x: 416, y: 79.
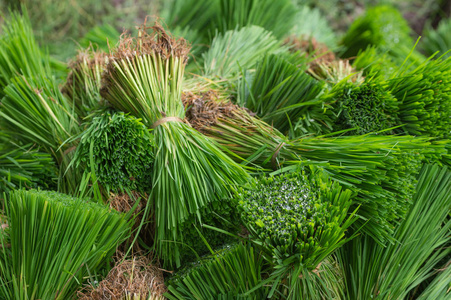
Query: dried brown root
x: 134, y: 278
x: 324, y: 65
x: 318, y: 52
x: 151, y: 40
x: 124, y: 203
x: 86, y: 63
x: 206, y: 108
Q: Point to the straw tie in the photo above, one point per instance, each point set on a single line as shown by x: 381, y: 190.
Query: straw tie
x: 165, y: 120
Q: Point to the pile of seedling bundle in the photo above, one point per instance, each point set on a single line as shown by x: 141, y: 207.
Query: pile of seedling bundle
x: 239, y: 158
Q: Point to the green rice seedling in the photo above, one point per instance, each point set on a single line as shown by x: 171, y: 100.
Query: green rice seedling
x: 237, y: 13
x: 55, y: 241
x: 424, y: 98
x: 84, y: 81
x: 211, y: 16
x: 299, y: 219
x: 227, y: 274
x: 248, y: 139
x: 191, y: 14
x: 218, y: 214
x: 119, y: 150
x: 281, y: 94
x: 392, y: 272
x: 35, y: 111
x: 373, y: 166
x: 374, y: 63
x: 439, y: 288
x: 19, y: 51
x: 365, y: 108
x: 438, y: 39
x: 381, y: 26
x: 23, y: 166
x: 103, y: 37
x: 194, y: 38
x: 238, y: 49
x: 310, y: 23
x: 144, y: 78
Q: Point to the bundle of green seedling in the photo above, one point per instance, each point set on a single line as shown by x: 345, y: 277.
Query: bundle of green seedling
x: 230, y: 273
x: 208, y: 17
x: 280, y: 93
x: 144, y: 77
x: 227, y: 56
x: 119, y: 150
x: 424, y: 98
x: 437, y: 39
x: 198, y: 240
x: 20, y: 53
x: 372, y: 62
x: 362, y: 108
x: 24, y: 166
x: 33, y: 109
x: 55, y: 241
x: 84, y: 81
x: 384, y: 27
x: 299, y: 219
x: 421, y: 248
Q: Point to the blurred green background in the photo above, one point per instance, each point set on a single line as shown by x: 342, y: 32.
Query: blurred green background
x: 60, y: 24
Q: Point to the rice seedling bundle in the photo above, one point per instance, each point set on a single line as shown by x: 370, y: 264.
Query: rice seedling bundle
x: 144, y: 78
x: 211, y: 16
x: 228, y: 55
x: 280, y: 93
x: 19, y: 51
x: 421, y: 242
x: 424, y: 98
x: 119, y: 150
x: 381, y: 26
x: 84, y: 81
x: 299, y: 219
x: 229, y: 274
x: 247, y: 138
x: 55, y: 241
x: 367, y: 107
x: 24, y: 166
x: 34, y: 111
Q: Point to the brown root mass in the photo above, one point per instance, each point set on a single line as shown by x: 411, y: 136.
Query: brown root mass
x: 151, y: 40
x: 124, y: 203
x: 136, y: 278
x: 319, y: 52
x: 204, y: 109
x: 324, y: 64
x: 86, y: 58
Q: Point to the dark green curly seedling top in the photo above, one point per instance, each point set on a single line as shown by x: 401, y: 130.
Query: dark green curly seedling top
x: 299, y: 217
